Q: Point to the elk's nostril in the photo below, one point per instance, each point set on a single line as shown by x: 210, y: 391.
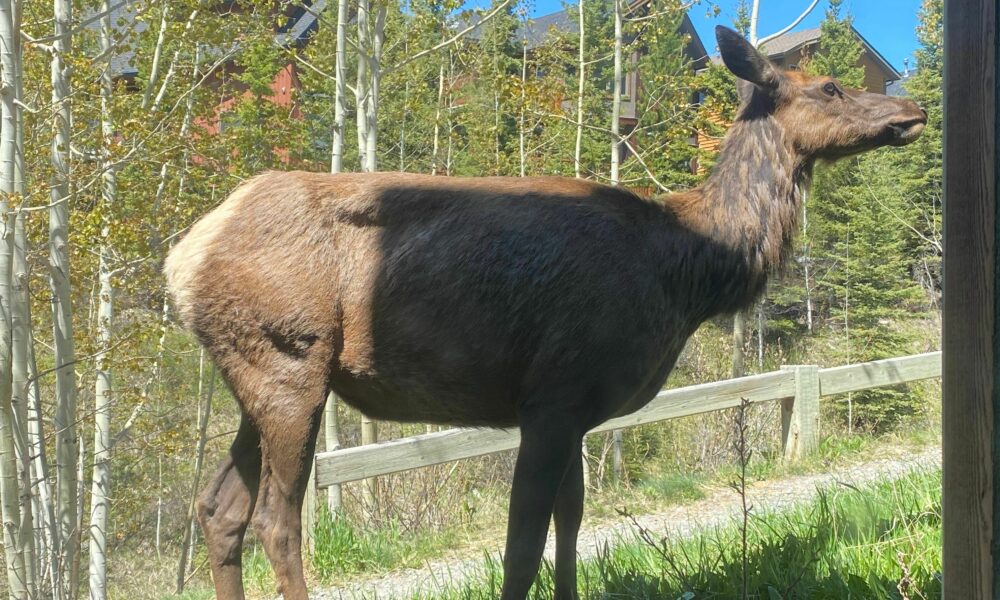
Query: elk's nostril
x: 925, y: 112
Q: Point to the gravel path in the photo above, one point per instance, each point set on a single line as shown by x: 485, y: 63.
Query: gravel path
x: 719, y: 507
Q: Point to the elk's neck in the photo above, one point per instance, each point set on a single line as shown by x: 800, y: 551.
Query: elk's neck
x: 746, y: 213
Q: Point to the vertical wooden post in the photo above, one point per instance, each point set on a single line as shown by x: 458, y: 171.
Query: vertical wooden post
x: 617, y: 460
x: 331, y: 431
x: 970, y: 336
x: 309, y: 507
x: 800, y: 414
x: 369, y: 492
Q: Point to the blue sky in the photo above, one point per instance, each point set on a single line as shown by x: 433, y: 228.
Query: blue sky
x: 888, y: 25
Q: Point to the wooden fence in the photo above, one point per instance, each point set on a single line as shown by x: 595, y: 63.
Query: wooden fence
x: 799, y: 388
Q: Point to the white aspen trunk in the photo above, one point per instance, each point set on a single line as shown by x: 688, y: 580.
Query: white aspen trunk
x: 496, y: 131
x: 451, y: 124
x: 101, y: 480
x: 436, y: 148
x: 807, y: 260
x: 524, y: 78
x: 847, y: 323
x: 760, y: 336
x: 371, y: 107
x: 10, y: 513
x: 331, y: 431
x: 739, y: 342
x: 582, y: 67
x: 616, y: 95
x: 754, y: 17
x: 159, y: 506
x: 20, y: 370
x: 154, y: 68
x: 331, y: 434
x: 361, y: 90
x: 402, y: 127
x: 616, y: 106
x: 49, y: 545
x: 67, y: 451
x: 21, y: 332
x: 199, y: 460
x: 16, y: 544
x: 340, y: 91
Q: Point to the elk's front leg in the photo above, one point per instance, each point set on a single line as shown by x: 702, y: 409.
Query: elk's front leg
x: 568, y: 515
x: 549, y: 443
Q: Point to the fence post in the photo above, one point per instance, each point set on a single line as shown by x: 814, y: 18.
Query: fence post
x: 369, y: 490
x: 309, y: 510
x: 331, y: 430
x: 800, y: 414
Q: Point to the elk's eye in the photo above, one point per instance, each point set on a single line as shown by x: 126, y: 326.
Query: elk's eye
x: 830, y: 88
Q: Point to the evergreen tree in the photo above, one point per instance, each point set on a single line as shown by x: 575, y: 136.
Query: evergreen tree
x: 860, y: 245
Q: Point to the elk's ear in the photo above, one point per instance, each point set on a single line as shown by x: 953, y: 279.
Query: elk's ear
x: 745, y: 61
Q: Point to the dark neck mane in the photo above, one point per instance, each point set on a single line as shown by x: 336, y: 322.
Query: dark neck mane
x: 746, y: 212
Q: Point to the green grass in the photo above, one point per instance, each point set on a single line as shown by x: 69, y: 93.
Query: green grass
x: 674, y: 487
x: 342, y: 547
x: 848, y: 543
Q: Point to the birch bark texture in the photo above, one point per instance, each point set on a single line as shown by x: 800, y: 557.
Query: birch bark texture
x: 67, y: 449
x: 100, y: 484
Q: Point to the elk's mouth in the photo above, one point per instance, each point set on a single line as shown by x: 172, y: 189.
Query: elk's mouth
x: 904, y: 132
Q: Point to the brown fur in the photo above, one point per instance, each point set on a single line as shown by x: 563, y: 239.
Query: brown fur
x: 546, y: 303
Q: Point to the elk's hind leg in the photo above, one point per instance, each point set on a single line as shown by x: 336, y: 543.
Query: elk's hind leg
x: 224, y: 510
x: 567, y: 516
x: 288, y: 443
x: 550, y: 443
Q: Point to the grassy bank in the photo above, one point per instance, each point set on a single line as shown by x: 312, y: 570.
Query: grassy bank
x: 882, y: 541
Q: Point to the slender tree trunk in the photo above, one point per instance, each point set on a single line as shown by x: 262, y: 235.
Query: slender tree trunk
x: 524, y: 79
x: 371, y: 107
x: 451, y: 124
x: 154, y: 69
x: 331, y: 433
x: 21, y: 329
x: 761, y: 332
x: 101, y: 481
x: 616, y: 95
x: 50, y: 540
x: 361, y: 90
x: 67, y: 451
x: 436, y: 147
x: 20, y: 354
x: 739, y: 343
x: 14, y: 497
x: 581, y: 75
x: 402, y: 127
x: 199, y: 461
x: 336, y: 166
x: 807, y: 260
x: 340, y: 90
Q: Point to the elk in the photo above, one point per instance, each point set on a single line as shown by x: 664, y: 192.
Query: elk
x: 550, y: 304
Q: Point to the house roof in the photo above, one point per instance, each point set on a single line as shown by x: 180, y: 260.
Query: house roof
x: 796, y: 40
x: 898, y: 87
x: 535, y: 31
x: 300, y: 24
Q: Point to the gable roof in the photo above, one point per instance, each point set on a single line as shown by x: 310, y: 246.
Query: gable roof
x: 294, y: 32
x: 796, y: 40
x: 537, y: 30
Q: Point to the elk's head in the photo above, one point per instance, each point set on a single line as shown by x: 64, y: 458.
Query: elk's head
x: 819, y: 117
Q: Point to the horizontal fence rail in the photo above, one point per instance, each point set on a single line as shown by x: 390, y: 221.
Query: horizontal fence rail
x: 361, y: 462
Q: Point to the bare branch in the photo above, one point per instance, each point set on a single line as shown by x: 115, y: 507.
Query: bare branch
x: 450, y: 40
x: 805, y: 13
